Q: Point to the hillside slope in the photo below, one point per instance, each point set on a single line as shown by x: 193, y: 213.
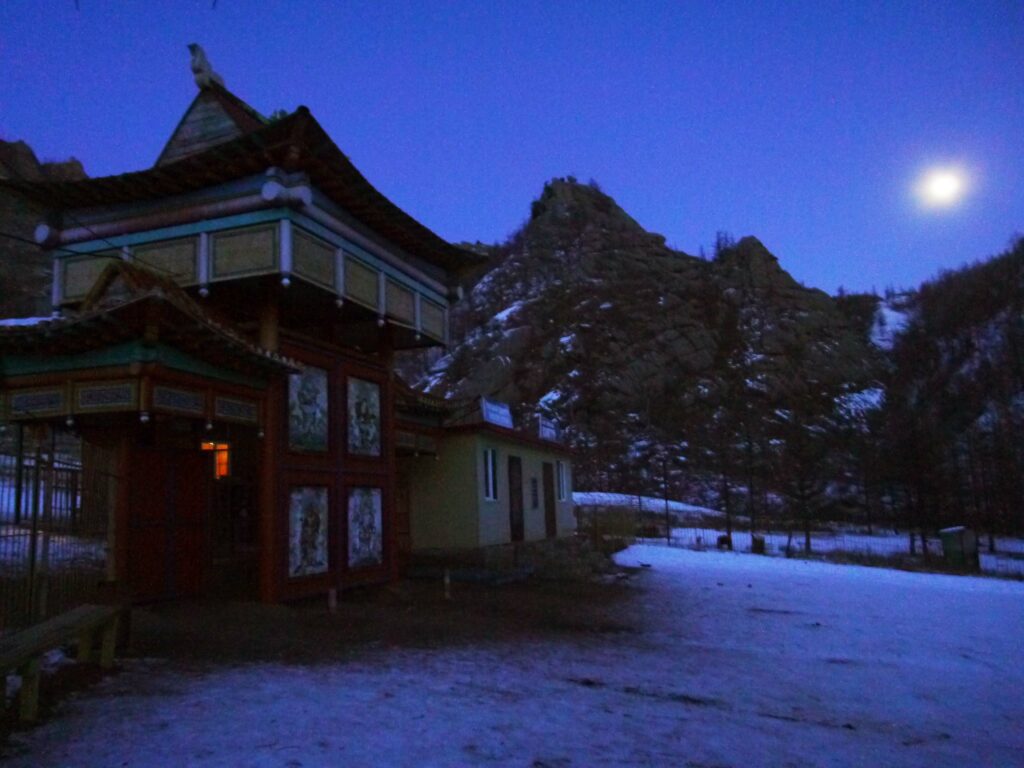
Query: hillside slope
x: 588, y: 318
x: 24, y: 268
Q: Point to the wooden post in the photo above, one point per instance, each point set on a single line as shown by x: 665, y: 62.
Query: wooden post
x: 109, y: 642
x: 447, y: 584
x: 28, y: 697
x: 269, y: 546
x: 19, y: 475
x: 85, y: 645
x: 269, y: 320
x: 43, y: 571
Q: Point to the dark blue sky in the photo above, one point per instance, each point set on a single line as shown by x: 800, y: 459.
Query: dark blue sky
x: 805, y: 124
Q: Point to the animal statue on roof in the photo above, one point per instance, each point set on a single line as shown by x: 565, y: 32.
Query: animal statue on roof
x: 201, y: 68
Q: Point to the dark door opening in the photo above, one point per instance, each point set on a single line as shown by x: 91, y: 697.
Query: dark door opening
x: 165, y: 521
x: 515, y: 497
x: 233, y: 531
x: 550, y: 511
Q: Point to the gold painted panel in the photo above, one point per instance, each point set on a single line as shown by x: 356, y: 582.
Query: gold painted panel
x: 401, y: 304
x: 179, y: 400
x: 245, y: 251
x: 80, y: 273
x: 232, y: 409
x: 360, y: 283
x: 432, y: 319
x: 313, y: 259
x: 27, y: 403
x: 106, y: 396
x: 172, y: 258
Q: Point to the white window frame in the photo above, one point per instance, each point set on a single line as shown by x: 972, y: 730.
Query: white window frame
x: 490, y: 474
x: 560, y: 480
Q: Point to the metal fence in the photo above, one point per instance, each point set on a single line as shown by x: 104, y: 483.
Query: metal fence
x: 54, y: 518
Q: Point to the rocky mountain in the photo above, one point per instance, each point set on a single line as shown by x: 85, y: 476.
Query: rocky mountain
x: 587, y: 318
x: 24, y: 269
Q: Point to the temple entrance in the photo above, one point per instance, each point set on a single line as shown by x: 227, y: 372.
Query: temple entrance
x: 167, y: 506
x: 192, y: 515
x: 233, y: 531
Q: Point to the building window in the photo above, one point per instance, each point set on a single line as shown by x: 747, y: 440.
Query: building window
x: 534, y: 493
x: 490, y: 474
x: 561, y: 480
x: 221, y: 458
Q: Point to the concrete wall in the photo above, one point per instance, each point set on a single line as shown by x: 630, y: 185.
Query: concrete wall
x: 447, y: 505
x: 443, y: 495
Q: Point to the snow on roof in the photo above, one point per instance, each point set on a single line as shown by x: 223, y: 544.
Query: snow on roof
x: 13, y: 321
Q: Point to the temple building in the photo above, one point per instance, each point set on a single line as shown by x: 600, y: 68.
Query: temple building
x: 222, y: 349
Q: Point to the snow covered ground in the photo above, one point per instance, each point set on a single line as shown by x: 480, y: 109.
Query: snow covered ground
x: 1009, y: 561
x: 725, y: 660
x: 821, y: 542
x: 632, y: 501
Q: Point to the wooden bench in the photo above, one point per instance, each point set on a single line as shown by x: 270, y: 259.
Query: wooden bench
x: 22, y: 651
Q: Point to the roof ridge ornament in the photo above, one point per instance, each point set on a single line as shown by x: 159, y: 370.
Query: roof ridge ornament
x: 202, y: 70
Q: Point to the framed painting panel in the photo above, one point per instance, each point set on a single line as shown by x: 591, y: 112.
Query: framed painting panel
x: 307, y: 410
x: 307, y: 531
x: 365, y: 529
x: 364, y: 418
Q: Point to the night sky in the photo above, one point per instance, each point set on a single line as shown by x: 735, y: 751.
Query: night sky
x: 805, y: 124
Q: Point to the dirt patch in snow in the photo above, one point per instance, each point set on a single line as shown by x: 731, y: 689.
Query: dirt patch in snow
x: 411, y: 614
x: 196, y: 636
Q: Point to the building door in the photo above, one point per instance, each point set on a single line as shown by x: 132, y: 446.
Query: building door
x: 550, y: 511
x: 232, y: 568
x: 167, y: 505
x: 515, y: 497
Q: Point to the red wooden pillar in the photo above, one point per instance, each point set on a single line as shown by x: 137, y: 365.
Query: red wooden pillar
x: 271, y: 531
x: 390, y: 457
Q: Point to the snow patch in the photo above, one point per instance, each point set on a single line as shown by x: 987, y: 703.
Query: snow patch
x: 889, y: 323
x: 21, y: 321
x: 645, y: 503
x: 507, y: 312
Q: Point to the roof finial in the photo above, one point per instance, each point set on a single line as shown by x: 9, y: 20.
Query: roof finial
x: 201, y: 69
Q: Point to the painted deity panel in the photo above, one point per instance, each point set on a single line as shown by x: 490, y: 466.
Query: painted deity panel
x: 365, y: 532
x: 363, y: 417
x: 307, y: 410
x: 307, y: 531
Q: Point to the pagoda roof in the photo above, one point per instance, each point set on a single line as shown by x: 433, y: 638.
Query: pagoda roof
x: 296, y: 143
x: 128, y: 303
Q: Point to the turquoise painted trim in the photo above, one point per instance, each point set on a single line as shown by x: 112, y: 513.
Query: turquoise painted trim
x: 121, y: 354
x: 375, y: 263
x: 177, y: 231
x: 249, y: 219
x: 326, y: 204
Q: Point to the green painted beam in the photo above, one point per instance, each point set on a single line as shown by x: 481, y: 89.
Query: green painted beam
x: 179, y: 230
x: 117, y: 355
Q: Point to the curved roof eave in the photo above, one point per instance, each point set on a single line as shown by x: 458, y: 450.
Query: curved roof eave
x: 296, y: 143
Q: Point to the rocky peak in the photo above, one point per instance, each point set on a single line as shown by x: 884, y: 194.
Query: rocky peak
x: 19, y: 161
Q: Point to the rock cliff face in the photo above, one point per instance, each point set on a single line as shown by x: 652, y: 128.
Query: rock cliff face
x: 586, y: 317
x: 24, y: 269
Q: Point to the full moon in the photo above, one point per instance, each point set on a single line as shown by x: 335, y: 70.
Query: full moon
x: 941, y: 187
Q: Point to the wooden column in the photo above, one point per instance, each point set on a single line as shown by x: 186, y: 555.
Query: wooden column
x: 387, y: 355
x: 272, y: 537
x: 270, y: 313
